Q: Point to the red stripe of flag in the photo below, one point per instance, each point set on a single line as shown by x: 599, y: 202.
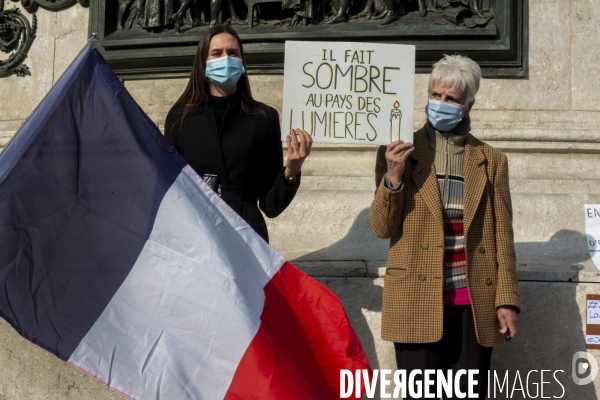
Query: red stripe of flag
x: 303, y: 342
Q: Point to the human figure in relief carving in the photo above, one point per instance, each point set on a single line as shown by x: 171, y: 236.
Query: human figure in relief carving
x: 477, y: 6
x: 154, y: 15
x: 180, y: 14
x: 305, y: 11
x: 468, y: 13
x: 342, y: 9
x: 379, y: 9
x: 124, y: 6
x: 215, y: 9
x: 481, y: 6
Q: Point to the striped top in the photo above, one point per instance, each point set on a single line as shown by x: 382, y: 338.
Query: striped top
x: 448, y: 149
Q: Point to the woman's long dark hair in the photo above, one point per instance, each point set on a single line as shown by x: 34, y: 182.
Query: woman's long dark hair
x: 198, y: 86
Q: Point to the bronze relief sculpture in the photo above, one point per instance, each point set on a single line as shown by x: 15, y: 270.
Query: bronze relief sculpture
x: 163, y: 15
x: 144, y: 39
x: 492, y: 32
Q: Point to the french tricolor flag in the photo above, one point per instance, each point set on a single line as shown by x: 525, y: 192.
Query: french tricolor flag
x: 117, y: 258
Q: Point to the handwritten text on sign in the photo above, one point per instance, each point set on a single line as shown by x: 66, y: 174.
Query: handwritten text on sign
x: 593, y: 312
x: 592, y: 339
x: 361, y: 93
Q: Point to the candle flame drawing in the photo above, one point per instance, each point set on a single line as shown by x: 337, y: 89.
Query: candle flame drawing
x: 396, y: 119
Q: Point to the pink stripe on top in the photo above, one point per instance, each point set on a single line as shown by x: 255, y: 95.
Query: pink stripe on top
x: 457, y: 297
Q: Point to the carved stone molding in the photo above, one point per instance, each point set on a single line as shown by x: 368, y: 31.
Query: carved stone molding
x: 16, y: 36
x: 51, y: 5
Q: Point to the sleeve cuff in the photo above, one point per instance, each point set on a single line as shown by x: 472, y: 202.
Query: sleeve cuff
x: 511, y: 306
x: 388, y: 184
x: 292, y: 182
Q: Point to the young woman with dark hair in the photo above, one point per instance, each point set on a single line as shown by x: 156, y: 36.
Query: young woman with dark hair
x: 232, y: 140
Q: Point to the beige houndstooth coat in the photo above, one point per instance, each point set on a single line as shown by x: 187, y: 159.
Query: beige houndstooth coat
x: 412, y: 219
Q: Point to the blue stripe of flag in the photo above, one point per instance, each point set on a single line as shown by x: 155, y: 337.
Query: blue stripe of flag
x: 81, y: 186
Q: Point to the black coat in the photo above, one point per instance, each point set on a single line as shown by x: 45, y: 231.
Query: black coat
x: 219, y: 138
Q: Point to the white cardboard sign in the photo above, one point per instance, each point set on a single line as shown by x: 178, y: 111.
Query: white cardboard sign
x: 592, y: 228
x: 358, y: 93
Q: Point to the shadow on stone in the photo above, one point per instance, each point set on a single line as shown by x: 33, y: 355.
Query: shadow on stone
x: 551, y: 323
x: 360, y: 243
x: 564, y: 248
x: 552, y: 320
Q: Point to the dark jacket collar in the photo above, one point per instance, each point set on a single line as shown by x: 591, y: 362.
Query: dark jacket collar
x: 235, y: 100
x: 232, y: 101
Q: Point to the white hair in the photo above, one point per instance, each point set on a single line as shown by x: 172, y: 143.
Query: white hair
x: 457, y: 72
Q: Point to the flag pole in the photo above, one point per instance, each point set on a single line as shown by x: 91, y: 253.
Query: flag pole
x: 91, y: 44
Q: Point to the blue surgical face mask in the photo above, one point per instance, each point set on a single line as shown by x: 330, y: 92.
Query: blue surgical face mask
x: 444, y: 116
x: 224, y: 72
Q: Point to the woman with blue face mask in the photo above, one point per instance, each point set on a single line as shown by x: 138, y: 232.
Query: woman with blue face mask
x: 450, y: 289
x: 231, y: 140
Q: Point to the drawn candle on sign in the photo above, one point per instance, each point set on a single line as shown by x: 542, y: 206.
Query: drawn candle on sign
x: 396, y: 119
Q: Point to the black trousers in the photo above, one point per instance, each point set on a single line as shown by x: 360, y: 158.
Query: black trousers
x: 458, y: 349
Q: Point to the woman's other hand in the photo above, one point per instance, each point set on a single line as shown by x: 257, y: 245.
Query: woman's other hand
x: 299, y: 143
x: 507, y: 315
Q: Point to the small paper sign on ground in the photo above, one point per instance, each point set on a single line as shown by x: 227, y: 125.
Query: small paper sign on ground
x: 592, y: 330
x: 358, y: 93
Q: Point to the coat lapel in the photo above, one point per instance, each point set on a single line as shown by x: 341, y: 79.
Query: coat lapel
x: 424, y: 176
x: 475, y: 180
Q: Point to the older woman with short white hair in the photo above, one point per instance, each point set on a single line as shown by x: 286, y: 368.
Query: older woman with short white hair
x: 450, y: 289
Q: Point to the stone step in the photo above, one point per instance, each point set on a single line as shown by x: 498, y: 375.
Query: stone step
x: 367, y: 183
x: 586, y: 272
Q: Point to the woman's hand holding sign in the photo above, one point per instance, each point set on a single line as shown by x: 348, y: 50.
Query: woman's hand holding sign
x: 396, y: 154
x: 299, y: 143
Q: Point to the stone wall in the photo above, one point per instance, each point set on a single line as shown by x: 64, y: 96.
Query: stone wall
x: 548, y: 124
